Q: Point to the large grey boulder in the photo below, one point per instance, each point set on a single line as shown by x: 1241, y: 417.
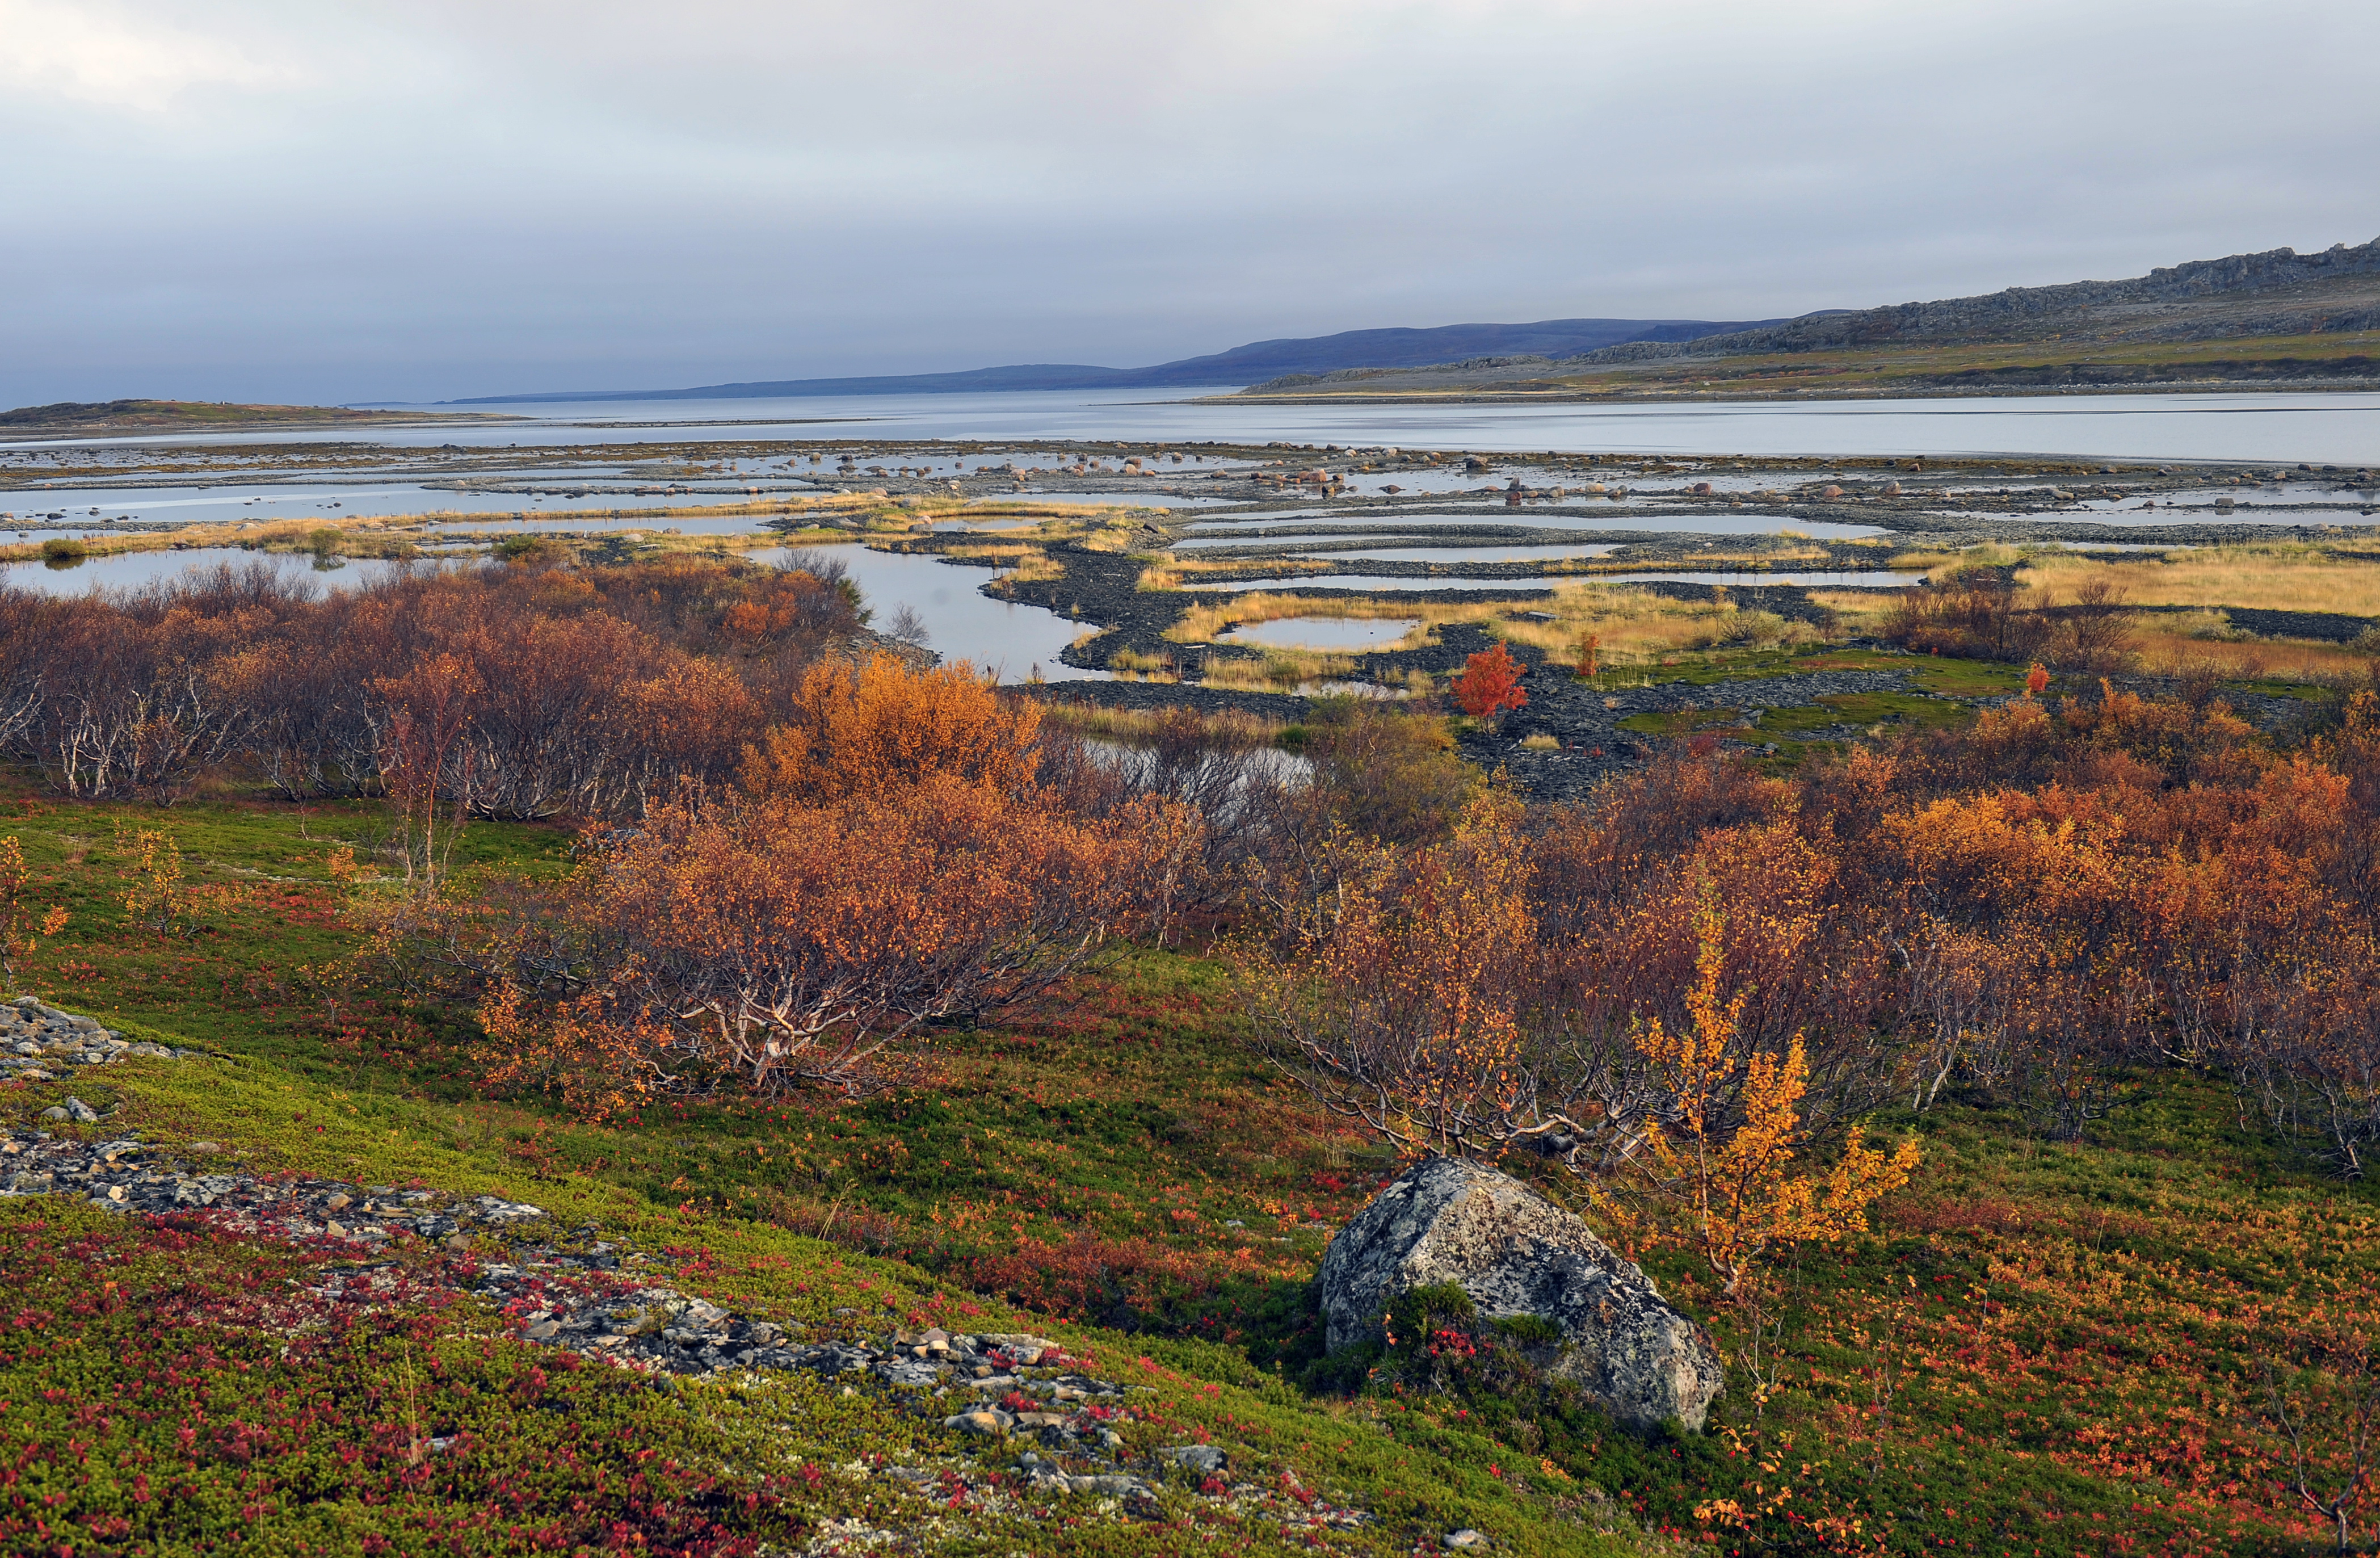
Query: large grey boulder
x: 1516, y: 1253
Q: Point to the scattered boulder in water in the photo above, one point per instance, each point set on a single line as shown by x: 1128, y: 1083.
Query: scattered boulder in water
x: 1516, y: 1253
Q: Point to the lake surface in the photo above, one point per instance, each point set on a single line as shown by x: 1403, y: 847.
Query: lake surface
x: 130, y: 570
x: 2334, y: 428
x: 1468, y: 554
x: 998, y: 636
x: 1688, y: 523
x: 1323, y: 632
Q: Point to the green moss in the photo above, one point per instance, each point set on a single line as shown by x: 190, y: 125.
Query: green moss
x: 1683, y: 721
x: 1864, y: 709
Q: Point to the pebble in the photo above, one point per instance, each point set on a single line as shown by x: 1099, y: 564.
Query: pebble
x: 1205, y: 1459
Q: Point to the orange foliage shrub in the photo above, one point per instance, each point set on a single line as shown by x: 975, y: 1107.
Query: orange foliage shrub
x: 897, y: 866
x: 1399, y: 1002
x: 883, y: 725
x: 784, y: 944
x: 590, y: 690
x: 1490, y: 684
x: 2028, y: 908
x: 1731, y: 1194
x: 17, y: 937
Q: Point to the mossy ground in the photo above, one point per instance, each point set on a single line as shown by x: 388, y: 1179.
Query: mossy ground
x: 2045, y: 1345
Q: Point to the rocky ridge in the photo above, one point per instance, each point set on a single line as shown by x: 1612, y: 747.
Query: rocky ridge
x: 1008, y: 1392
x: 39, y: 1043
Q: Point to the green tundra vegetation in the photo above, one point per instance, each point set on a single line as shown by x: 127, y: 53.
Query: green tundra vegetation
x: 2122, y: 1306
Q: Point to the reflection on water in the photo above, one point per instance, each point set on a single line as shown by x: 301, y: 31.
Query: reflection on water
x: 132, y: 569
x: 1323, y: 632
x: 2269, y: 429
x: 965, y: 624
x: 1839, y: 580
x: 1702, y: 524
x: 1383, y: 583
x: 220, y: 505
x: 1301, y: 542
x: 649, y: 524
x: 1475, y: 553
x: 1374, y: 582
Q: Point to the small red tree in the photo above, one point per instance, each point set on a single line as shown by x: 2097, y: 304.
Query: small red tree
x: 1590, y: 655
x: 1490, y: 684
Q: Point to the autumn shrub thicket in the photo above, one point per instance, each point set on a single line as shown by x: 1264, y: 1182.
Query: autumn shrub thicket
x: 1980, y: 613
x: 2030, y: 910
x: 904, y: 852
x: 542, y: 690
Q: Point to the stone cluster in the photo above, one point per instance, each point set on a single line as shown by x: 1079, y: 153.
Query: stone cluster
x: 598, y: 1300
x: 127, y: 1175
x: 38, y: 1041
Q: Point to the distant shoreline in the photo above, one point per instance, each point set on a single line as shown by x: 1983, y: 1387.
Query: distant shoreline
x: 170, y: 417
x: 1639, y: 395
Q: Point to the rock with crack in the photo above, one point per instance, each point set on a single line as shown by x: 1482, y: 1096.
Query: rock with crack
x: 1516, y: 1253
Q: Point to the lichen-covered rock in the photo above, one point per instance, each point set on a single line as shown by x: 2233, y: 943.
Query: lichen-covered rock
x: 1516, y: 1253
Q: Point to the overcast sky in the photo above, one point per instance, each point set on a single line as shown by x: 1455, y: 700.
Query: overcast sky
x: 361, y: 200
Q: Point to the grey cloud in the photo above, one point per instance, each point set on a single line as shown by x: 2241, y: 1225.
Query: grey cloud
x: 439, y: 198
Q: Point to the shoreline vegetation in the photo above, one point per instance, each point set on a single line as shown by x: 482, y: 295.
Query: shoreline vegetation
x: 831, y: 519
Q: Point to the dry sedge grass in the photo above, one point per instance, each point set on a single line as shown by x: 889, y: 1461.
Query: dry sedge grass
x: 1280, y: 670
x: 1633, y: 625
x: 2163, y: 651
x: 1630, y: 626
x: 1860, y: 611
x: 1923, y: 561
x: 1138, y: 728
x: 1203, y: 624
x: 1173, y: 573
x: 1754, y: 558
x: 2262, y: 578
x: 357, y: 537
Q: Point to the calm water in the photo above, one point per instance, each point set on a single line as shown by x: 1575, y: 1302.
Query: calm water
x: 132, y: 569
x: 218, y: 504
x: 966, y: 624
x: 2333, y: 428
x: 1469, y: 553
x: 1700, y: 524
x: 1323, y: 632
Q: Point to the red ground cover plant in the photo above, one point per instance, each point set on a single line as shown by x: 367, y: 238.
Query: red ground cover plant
x: 170, y: 1388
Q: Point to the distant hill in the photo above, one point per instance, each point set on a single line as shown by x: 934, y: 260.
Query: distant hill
x: 2278, y: 292
x: 2299, y: 318
x: 1241, y: 365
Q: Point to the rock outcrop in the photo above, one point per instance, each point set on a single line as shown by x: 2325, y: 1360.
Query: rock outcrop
x: 1516, y: 1253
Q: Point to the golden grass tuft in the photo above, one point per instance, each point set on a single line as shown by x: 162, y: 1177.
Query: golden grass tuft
x: 1280, y: 670
x: 2160, y: 650
x: 2266, y: 578
x: 1226, y: 728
